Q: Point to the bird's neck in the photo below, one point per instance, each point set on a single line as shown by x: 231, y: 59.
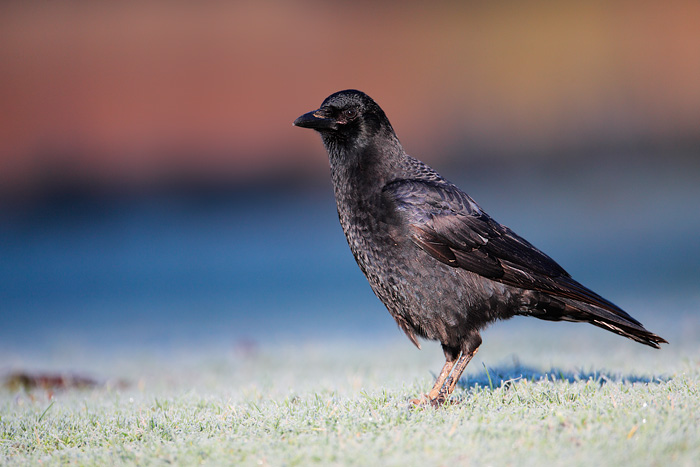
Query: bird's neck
x: 364, y: 170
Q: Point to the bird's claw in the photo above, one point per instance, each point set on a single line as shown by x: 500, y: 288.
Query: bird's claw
x: 424, y: 401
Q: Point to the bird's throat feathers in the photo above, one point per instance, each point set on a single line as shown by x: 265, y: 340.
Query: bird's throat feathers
x: 368, y: 160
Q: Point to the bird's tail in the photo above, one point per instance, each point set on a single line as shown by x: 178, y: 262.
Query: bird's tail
x: 611, y: 318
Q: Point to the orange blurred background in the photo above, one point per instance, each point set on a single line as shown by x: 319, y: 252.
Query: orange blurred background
x: 126, y: 95
x: 153, y: 191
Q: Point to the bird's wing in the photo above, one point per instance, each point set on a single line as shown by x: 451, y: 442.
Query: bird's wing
x: 448, y: 225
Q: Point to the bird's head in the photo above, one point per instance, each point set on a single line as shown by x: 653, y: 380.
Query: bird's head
x: 347, y: 119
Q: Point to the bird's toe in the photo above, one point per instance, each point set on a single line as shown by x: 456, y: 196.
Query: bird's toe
x: 422, y: 401
x: 426, y: 401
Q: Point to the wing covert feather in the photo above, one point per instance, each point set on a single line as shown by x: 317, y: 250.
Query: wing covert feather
x: 449, y: 226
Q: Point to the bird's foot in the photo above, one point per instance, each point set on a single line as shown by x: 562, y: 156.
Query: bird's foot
x: 426, y: 401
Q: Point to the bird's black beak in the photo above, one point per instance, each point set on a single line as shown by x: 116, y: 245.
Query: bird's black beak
x: 317, y: 121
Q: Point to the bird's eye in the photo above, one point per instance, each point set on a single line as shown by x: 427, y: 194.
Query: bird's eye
x: 350, y: 113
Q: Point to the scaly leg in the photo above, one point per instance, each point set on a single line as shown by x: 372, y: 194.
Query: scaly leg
x: 455, y: 363
x: 469, y: 349
x: 451, y: 382
x: 442, y: 377
x: 451, y: 355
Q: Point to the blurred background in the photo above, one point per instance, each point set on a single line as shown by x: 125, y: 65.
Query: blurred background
x: 154, y: 194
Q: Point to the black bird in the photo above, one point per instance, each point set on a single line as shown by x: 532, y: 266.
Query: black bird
x: 442, y: 266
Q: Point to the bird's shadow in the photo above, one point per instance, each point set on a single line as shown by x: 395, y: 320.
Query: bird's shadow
x: 505, y: 375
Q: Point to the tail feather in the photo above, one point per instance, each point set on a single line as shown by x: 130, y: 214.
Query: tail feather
x: 640, y: 335
x: 612, y: 319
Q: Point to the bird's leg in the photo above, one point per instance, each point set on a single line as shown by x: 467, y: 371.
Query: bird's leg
x: 451, y: 382
x: 451, y: 355
x: 444, y: 373
x: 470, y: 348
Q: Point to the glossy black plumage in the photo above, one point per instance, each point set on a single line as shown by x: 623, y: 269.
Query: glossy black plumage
x: 440, y: 264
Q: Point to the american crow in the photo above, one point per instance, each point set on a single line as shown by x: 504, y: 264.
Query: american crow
x: 439, y: 263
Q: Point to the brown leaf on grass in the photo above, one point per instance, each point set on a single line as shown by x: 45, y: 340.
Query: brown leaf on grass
x: 56, y: 381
